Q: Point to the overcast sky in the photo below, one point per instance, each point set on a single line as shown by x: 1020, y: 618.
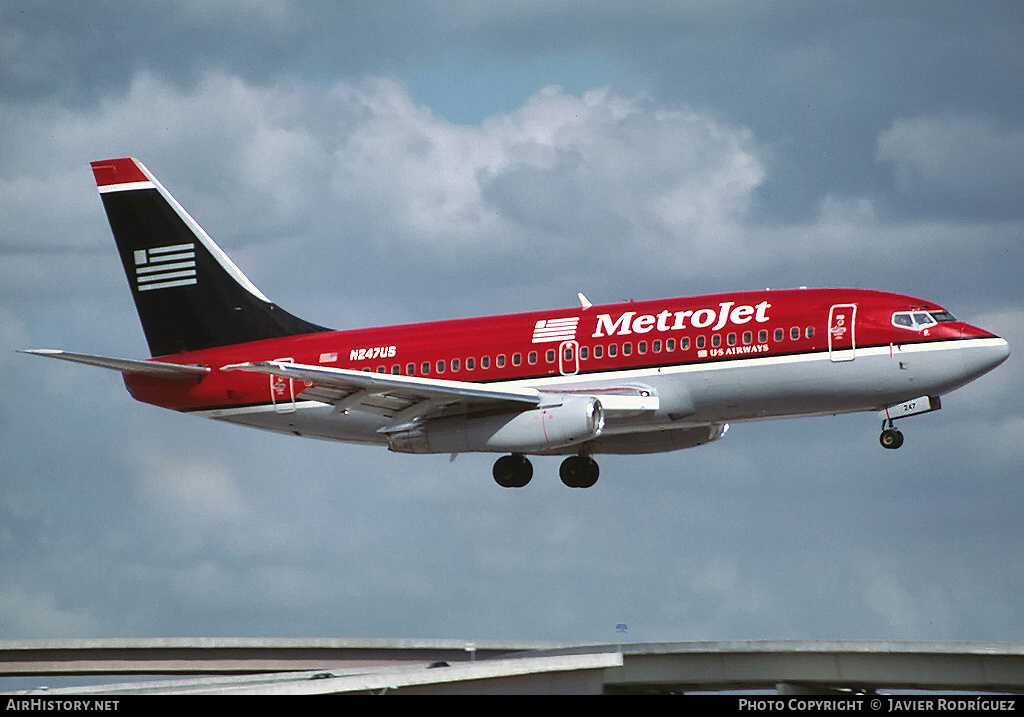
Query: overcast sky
x: 372, y: 163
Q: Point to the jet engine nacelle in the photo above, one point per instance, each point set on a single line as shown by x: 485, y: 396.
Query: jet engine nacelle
x: 538, y: 430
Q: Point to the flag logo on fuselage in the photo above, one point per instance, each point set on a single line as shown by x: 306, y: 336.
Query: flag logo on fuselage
x: 549, y: 330
x: 164, y: 267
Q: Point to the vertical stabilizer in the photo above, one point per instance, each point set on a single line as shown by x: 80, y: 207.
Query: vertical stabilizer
x: 188, y: 293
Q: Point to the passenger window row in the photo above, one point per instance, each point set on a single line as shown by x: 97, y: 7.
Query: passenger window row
x: 599, y: 351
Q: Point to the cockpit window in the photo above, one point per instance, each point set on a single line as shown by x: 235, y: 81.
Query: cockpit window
x: 917, y: 320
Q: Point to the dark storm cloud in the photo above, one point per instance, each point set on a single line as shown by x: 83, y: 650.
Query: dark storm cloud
x: 83, y: 52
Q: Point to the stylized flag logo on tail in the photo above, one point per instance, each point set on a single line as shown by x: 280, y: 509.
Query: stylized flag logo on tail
x: 165, y: 266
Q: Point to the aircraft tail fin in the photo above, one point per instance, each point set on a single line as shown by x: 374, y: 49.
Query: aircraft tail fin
x: 188, y: 293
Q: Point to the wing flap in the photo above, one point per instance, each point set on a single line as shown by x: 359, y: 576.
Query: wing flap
x: 407, y: 400
x: 388, y: 394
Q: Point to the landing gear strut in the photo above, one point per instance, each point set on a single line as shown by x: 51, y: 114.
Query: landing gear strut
x: 890, y: 438
x: 513, y: 471
x: 579, y: 471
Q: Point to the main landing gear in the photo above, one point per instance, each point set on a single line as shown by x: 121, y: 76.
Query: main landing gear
x: 891, y: 437
x: 512, y: 471
x: 579, y: 471
x: 515, y: 471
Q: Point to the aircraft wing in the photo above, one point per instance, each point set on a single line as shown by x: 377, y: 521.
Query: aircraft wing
x: 404, y: 399
x: 156, y: 369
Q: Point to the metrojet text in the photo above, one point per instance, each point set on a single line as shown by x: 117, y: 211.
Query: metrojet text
x: 727, y: 312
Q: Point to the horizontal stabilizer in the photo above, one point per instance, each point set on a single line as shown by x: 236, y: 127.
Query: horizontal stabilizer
x: 156, y: 369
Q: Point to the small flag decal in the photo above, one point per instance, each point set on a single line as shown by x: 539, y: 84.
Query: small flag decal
x: 164, y: 267
x: 550, y: 330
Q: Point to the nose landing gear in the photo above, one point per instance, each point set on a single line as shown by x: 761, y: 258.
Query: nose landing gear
x: 890, y: 438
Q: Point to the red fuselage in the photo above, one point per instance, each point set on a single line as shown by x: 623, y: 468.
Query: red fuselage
x: 603, y: 341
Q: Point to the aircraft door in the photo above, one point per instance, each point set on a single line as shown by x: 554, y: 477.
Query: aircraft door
x: 569, y: 358
x: 282, y: 391
x: 842, y: 342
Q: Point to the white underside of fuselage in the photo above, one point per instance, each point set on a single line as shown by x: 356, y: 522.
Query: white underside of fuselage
x: 704, y: 394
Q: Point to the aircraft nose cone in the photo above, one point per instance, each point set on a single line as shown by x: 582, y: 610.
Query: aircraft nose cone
x: 1000, y: 352
x: 987, y: 355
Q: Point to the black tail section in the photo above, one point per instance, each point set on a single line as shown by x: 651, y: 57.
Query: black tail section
x: 188, y: 293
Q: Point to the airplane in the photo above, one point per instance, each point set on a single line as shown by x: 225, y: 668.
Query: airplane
x: 627, y: 378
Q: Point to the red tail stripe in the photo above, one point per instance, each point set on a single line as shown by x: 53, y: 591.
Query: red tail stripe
x: 117, y: 171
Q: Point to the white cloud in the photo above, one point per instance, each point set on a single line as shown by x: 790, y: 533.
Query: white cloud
x: 846, y: 211
x: 915, y: 597
x: 720, y: 580
x: 902, y: 611
x: 645, y: 184
x: 361, y: 172
x: 597, y: 171
x: 968, y: 156
x: 195, y: 492
x: 34, y: 615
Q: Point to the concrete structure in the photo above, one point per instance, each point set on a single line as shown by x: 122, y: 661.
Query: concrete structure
x: 286, y: 666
